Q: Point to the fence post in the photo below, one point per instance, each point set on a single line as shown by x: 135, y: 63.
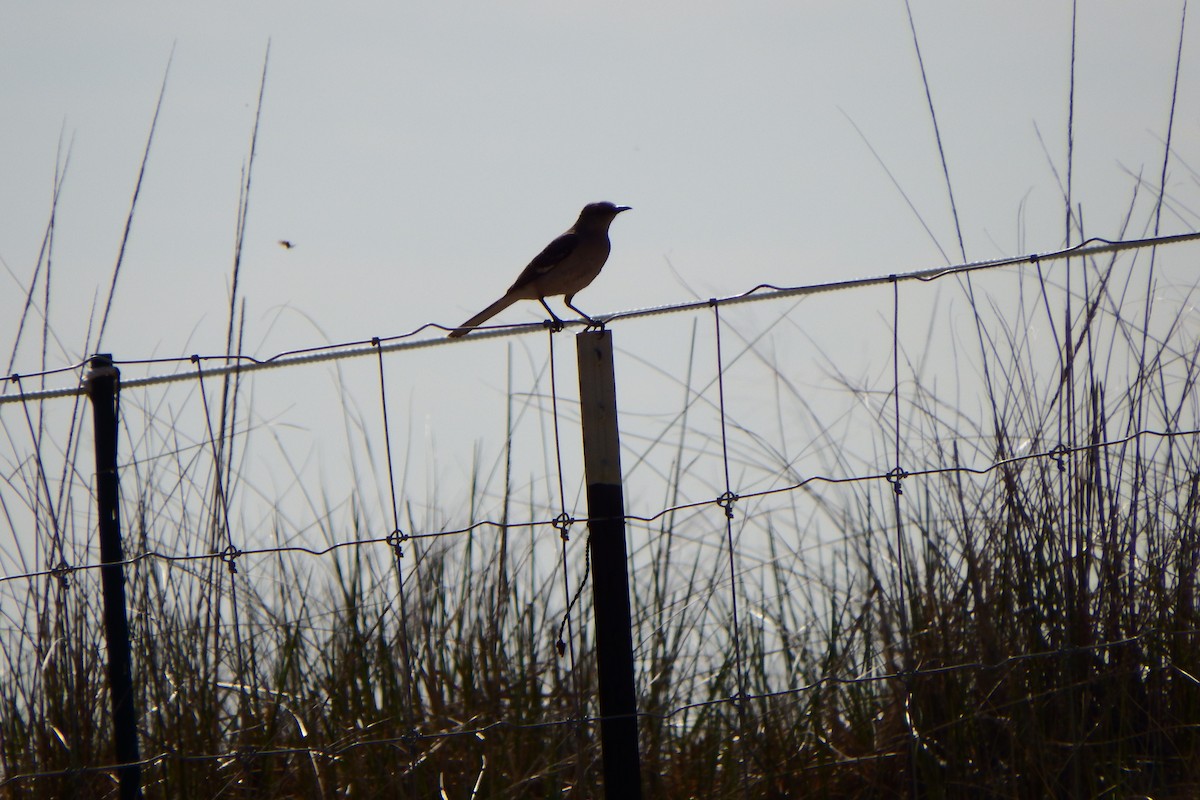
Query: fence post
x: 610, y: 568
x: 102, y: 380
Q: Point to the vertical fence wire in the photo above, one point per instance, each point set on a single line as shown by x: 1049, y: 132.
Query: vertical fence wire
x: 56, y: 592
x: 229, y: 555
x: 562, y: 523
x: 903, y: 570
x: 57, y: 546
x: 565, y: 641
x: 726, y: 502
x: 396, y: 539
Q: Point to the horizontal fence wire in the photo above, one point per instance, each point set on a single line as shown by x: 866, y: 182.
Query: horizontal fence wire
x: 244, y: 364
x: 230, y: 554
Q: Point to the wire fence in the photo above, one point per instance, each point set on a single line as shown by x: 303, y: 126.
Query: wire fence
x: 890, y: 535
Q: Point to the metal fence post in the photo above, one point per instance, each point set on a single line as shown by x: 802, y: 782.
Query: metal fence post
x: 102, y: 381
x: 610, y: 568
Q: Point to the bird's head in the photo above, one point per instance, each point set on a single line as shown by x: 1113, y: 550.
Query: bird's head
x: 599, y: 214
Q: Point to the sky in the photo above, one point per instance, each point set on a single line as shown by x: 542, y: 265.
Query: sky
x: 418, y: 154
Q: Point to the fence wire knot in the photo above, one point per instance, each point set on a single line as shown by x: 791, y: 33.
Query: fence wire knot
x: 62, y: 570
x: 230, y: 555
x: 726, y: 502
x: 563, y: 523
x: 396, y: 539
x: 895, y: 477
x: 1057, y: 452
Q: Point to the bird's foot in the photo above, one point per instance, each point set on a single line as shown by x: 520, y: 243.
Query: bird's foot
x: 554, y: 325
x: 594, y: 324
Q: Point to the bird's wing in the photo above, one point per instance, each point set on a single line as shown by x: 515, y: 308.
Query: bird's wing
x: 548, y: 259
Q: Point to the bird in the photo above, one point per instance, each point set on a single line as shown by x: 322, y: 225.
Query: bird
x: 285, y: 244
x: 565, y: 266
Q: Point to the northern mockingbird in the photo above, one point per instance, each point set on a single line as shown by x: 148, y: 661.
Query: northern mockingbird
x: 565, y: 267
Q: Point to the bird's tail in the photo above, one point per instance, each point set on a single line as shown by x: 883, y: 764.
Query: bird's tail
x: 483, y: 316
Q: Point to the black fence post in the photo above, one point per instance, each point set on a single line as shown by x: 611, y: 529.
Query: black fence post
x: 610, y: 567
x: 102, y: 381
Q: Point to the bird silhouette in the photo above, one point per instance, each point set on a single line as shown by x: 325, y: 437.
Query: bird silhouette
x: 565, y: 266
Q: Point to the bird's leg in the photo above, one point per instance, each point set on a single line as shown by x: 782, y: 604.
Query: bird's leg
x: 592, y: 323
x: 554, y: 323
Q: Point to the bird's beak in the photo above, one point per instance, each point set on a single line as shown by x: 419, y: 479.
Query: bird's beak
x: 623, y: 208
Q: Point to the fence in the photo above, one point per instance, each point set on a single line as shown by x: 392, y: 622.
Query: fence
x: 947, y: 547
